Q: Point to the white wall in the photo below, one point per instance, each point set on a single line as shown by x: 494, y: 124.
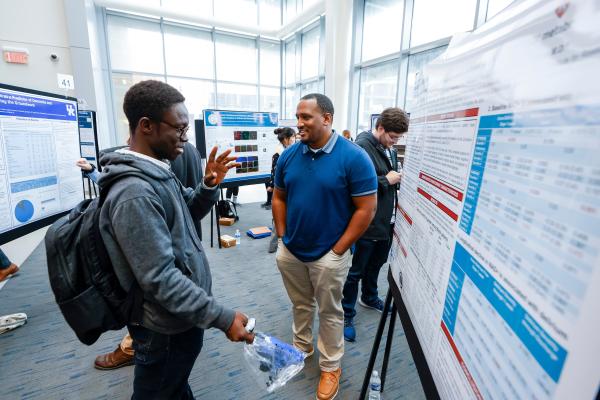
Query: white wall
x: 40, y: 27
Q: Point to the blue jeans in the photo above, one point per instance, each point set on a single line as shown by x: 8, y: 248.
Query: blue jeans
x: 163, y: 363
x: 4, y: 261
x: 369, y: 257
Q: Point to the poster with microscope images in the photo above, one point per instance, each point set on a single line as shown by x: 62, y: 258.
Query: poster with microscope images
x: 251, y: 137
x: 497, y: 246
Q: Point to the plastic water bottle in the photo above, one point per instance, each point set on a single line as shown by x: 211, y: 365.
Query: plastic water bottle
x: 238, y: 237
x: 375, y: 387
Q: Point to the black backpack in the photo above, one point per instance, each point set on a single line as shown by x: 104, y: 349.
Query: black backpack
x: 227, y: 209
x: 82, y: 277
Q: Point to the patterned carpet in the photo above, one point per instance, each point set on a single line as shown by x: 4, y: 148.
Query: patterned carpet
x: 44, y: 360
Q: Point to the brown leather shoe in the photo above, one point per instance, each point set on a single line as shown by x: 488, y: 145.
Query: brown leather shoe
x: 11, y: 270
x: 114, y: 360
x: 329, y: 384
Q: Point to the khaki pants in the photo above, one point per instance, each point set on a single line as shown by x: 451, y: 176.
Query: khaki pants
x: 316, y: 283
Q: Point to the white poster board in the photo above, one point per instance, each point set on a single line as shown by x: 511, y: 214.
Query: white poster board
x: 39, y: 144
x: 87, y: 136
x: 497, y: 250
x: 250, y: 135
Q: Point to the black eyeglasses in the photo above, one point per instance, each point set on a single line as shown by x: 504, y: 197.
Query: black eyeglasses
x: 181, y: 130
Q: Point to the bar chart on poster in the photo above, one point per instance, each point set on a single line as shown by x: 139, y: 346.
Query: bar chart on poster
x: 249, y: 134
x: 39, y: 143
x: 496, y: 252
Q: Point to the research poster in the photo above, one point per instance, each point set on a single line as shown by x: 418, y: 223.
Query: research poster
x: 251, y: 137
x: 87, y: 136
x: 496, y: 248
x: 39, y: 144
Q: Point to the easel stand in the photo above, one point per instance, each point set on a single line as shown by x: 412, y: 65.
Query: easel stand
x: 388, y: 345
x: 216, y: 220
x: 394, y: 301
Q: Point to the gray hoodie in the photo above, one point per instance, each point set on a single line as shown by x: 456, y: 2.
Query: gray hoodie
x: 149, y: 233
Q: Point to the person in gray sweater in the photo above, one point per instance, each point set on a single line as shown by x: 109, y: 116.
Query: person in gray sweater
x: 147, y: 227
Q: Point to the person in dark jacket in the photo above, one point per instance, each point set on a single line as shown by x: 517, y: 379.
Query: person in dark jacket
x: 188, y: 169
x: 372, y: 248
x: 146, y: 223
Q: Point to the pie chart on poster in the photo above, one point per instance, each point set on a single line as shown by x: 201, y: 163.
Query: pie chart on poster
x: 24, y: 211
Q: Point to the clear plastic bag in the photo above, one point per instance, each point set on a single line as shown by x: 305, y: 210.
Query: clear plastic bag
x: 272, y: 361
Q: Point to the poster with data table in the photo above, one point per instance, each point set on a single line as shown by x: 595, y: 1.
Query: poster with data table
x: 39, y: 144
x: 251, y: 137
x: 497, y: 246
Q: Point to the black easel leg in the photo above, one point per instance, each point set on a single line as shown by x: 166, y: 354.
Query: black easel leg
x: 388, y: 345
x: 217, y: 217
x: 217, y: 223
x: 376, y: 343
x: 211, y: 227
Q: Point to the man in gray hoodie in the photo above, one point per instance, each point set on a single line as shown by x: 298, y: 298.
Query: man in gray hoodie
x: 147, y: 225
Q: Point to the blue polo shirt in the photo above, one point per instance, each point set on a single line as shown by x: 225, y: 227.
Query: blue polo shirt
x: 319, y: 189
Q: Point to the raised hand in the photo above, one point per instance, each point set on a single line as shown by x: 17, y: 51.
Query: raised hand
x: 217, y: 166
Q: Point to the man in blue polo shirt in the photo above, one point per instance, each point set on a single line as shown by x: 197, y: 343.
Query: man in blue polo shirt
x: 324, y: 199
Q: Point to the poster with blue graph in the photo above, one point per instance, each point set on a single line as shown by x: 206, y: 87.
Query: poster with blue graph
x: 39, y: 144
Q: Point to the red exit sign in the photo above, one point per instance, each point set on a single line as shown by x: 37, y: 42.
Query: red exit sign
x: 16, y: 57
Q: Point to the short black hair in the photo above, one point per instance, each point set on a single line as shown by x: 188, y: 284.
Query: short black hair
x: 150, y: 99
x: 284, y: 133
x: 323, y: 102
x: 393, y: 119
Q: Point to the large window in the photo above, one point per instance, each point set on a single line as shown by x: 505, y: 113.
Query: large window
x: 135, y: 45
x: 303, y: 68
x: 310, y: 54
x: 377, y: 91
x: 382, y: 28
x: 312, y: 87
x: 199, y: 94
x: 290, y: 62
x: 269, y: 99
x: 415, y: 65
x: 234, y: 96
x: 189, y: 52
x: 212, y: 69
x: 291, y: 101
x: 236, y: 59
x: 270, y: 63
x: 400, y: 37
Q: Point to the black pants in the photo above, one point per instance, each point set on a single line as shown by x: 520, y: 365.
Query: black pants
x: 163, y: 363
x: 369, y: 256
x: 269, y: 194
x: 232, y: 191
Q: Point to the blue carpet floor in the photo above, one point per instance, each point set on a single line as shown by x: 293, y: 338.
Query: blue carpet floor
x: 44, y: 360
